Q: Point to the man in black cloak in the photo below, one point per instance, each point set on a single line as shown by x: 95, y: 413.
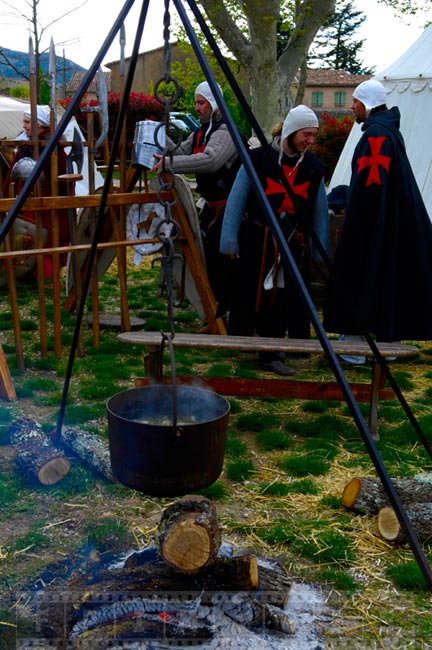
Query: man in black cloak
x: 381, y: 277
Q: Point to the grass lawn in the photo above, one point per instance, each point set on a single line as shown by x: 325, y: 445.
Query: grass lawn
x: 279, y: 495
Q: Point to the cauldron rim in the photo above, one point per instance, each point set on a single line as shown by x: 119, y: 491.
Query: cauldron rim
x: 167, y: 388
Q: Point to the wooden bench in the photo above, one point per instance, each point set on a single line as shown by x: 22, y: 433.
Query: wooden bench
x: 286, y: 388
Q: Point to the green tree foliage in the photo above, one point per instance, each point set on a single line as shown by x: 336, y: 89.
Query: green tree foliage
x: 22, y: 92
x: 44, y: 92
x: 284, y: 31
x: 330, y: 141
x: 335, y: 44
x: 188, y: 74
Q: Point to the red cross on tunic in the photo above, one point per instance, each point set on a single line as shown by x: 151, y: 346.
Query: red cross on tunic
x: 374, y: 161
x: 274, y: 187
x: 200, y: 144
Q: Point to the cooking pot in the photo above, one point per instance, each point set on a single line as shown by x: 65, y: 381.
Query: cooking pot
x: 164, y: 447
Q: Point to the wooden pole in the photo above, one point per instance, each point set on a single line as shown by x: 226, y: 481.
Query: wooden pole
x: 119, y: 231
x: 7, y: 389
x: 55, y: 239
x: 71, y: 179
x: 13, y: 300
x: 36, y: 192
x: 92, y: 218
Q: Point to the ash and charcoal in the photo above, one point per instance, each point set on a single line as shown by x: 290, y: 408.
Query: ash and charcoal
x: 206, y: 620
x: 132, y: 626
x: 225, y: 624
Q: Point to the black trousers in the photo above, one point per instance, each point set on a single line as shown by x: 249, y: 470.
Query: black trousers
x: 219, y: 267
x: 267, y: 312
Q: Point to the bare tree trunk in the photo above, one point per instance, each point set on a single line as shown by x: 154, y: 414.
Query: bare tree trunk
x: 255, y: 49
x: 302, y: 84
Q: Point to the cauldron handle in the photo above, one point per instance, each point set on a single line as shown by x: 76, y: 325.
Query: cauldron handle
x: 169, y: 339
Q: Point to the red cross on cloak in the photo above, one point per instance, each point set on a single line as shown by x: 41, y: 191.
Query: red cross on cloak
x: 274, y: 187
x: 374, y: 161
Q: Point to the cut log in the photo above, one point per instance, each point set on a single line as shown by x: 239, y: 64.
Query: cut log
x: 420, y: 516
x: 36, y: 456
x: 92, y: 450
x: 270, y: 617
x: 189, y: 534
x: 237, y: 573
x: 366, y: 496
x: 274, y: 584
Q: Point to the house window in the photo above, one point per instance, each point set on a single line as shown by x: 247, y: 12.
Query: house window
x: 340, y: 98
x: 317, y: 98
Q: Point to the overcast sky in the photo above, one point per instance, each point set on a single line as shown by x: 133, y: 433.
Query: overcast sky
x: 82, y: 33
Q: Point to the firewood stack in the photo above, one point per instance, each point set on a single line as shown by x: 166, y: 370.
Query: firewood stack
x: 184, y: 575
x: 366, y: 496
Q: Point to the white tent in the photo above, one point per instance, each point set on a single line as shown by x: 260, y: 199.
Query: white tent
x: 11, y: 112
x: 11, y: 118
x: 408, y: 82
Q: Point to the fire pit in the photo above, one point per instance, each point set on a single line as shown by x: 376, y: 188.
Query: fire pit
x: 152, y: 453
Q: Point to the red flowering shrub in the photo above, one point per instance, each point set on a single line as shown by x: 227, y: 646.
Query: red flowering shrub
x: 140, y: 107
x: 330, y: 140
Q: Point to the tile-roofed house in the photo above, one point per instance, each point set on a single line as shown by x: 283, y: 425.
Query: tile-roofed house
x: 91, y: 93
x: 330, y: 90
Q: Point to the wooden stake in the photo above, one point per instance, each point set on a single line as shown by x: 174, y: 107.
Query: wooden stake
x: 55, y: 239
x: 71, y: 179
x: 13, y: 301
x: 7, y: 389
x: 92, y: 224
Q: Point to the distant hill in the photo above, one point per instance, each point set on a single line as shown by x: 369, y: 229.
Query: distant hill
x: 21, y: 62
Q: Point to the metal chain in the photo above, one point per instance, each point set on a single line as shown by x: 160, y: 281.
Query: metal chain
x: 168, y: 230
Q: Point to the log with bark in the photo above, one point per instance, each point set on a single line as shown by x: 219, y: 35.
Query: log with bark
x: 148, y: 577
x: 189, y: 534
x: 274, y: 583
x: 420, y: 516
x: 91, y: 449
x: 237, y: 572
x: 36, y: 456
x: 366, y: 496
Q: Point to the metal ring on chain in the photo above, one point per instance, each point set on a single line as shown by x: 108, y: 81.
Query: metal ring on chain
x: 159, y: 127
x: 168, y: 102
x: 165, y: 100
x: 165, y: 187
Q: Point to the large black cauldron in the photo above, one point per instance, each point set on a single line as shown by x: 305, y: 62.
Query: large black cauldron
x: 149, y: 454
